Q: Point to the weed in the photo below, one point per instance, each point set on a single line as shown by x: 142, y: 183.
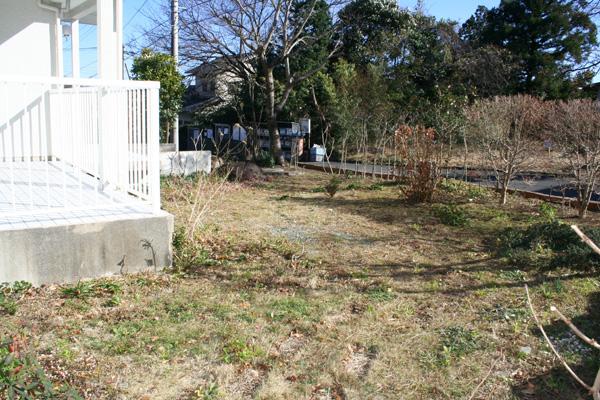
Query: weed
x: 551, y: 289
x: 319, y: 189
x: 189, y: 253
x: 515, y: 275
x: 500, y: 312
x: 416, y: 227
x: 548, y: 212
x: 113, y: 301
x: 451, y: 185
x: 476, y: 192
x: 380, y: 294
x: 291, y: 308
x: 451, y: 215
x: 377, y: 187
x: 333, y: 186
x: 354, y: 186
x: 456, y: 342
x: 10, y: 294
x: 21, y: 376
x: 239, y: 351
x: 81, y: 290
x: 111, y: 288
x: 210, y: 392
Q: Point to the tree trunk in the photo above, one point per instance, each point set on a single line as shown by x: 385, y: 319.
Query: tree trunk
x: 585, y: 197
x: 504, y: 191
x: 275, y: 139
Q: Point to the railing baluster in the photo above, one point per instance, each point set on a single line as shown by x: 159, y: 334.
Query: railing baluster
x: 144, y: 153
x: 27, y: 142
x: 47, y: 132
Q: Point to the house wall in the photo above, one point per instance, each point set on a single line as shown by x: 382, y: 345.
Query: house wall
x: 215, y: 84
x: 27, y: 37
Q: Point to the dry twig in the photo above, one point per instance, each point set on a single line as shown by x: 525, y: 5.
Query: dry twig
x: 556, y: 353
x: 595, y: 389
x: 485, y: 378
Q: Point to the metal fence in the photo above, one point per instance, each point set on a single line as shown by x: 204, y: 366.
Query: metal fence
x: 68, y: 144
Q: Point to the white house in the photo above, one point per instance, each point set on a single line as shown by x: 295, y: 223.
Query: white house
x: 79, y: 158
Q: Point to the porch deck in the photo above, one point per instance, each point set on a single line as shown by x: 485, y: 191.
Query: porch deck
x: 57, y: 194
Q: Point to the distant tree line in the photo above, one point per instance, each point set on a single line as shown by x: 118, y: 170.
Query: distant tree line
x: 362, y: 68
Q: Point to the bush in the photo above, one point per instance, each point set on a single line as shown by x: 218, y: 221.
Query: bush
x: 451, y: 215
x: 333, y: 186
x: 265, y: 159
x: 549, y: 245
x: 417, y: 146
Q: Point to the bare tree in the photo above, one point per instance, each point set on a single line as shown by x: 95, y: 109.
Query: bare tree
x: 504, y: 128
x: 575, y: 129
x: 253, y: 39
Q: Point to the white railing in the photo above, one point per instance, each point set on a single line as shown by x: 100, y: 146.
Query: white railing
x: 77, y: 144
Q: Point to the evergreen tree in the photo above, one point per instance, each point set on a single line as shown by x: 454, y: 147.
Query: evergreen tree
x: 548, y: 38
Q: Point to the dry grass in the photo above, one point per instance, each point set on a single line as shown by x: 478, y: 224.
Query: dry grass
x: 294, y: 295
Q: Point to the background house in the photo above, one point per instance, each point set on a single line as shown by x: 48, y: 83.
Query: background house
x: 209, y: 96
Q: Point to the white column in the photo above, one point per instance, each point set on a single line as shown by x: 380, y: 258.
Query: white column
x: 75, y: 59
x: 175, y: 53
x: 58, y: 34
x: 107, y: 52
x: 119, y: 37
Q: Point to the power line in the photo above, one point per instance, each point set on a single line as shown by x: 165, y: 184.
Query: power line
x: 89, y: 64
x: 83, y: 48
x: 136, y: 13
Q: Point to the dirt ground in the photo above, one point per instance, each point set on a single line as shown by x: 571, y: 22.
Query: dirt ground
x: 290, y: 294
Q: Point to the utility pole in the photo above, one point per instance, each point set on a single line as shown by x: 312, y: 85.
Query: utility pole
x: 175, y: 54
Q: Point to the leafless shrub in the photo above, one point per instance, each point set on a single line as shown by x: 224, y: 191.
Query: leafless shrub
x: 574, y: 128
x: 504, y: 128
x: 193, y: 198
x: 418, y: 150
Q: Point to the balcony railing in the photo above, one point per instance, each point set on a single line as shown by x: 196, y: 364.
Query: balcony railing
x: 71, y: 144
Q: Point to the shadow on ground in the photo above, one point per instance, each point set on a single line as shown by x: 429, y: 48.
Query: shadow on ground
x: 557, y: 383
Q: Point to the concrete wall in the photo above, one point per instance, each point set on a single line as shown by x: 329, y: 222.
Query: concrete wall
x: 185, y: 162
x: 28, y: 39
x: 69, y: 253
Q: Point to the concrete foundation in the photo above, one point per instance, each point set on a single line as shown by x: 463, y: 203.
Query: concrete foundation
x: 185, y: 162
x: 68, y: 253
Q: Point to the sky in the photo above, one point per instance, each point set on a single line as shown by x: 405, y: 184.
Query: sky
x: 135, y: 20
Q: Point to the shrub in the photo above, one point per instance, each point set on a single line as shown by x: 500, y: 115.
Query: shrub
x: 333, y: 186
x: 451, y: 215
x: 549, y: 245
x: 417, y: 147
x: 265, y: 159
